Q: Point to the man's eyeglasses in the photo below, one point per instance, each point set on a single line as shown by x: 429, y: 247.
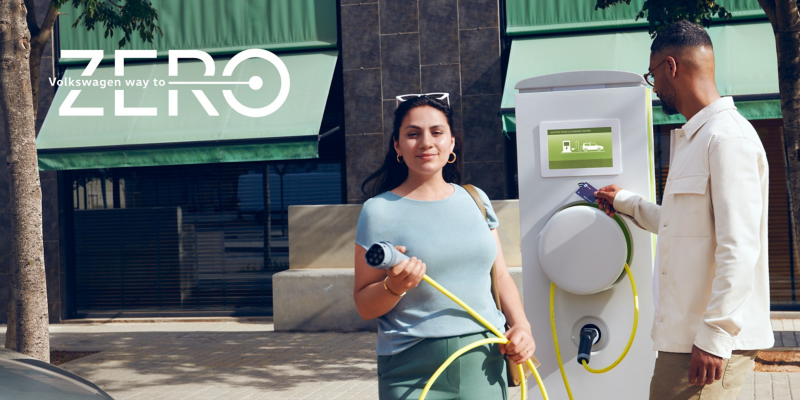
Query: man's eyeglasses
x: 649, y: 77
x: 437, y: 96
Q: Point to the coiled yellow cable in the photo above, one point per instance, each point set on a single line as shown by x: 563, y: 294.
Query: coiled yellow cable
x: 500, y: 339
x: 624, y: 352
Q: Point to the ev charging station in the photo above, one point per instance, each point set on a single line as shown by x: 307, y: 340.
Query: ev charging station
x: 590, y: 127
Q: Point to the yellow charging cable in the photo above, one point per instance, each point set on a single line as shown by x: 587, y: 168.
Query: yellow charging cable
x: 585, y: 365
x: 501, y: 339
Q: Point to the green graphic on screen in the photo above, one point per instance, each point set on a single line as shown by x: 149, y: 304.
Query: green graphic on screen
x: 580, y: 148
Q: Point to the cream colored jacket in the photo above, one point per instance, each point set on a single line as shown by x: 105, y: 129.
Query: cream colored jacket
x: 712, y: 278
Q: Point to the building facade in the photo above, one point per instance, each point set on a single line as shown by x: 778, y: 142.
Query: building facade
x: 188, y: 214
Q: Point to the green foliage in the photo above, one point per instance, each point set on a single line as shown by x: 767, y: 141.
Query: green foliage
x: 661, y: 13
x: 129, y: 17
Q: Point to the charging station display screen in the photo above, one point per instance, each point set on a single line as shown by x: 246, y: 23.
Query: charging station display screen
x: 580, y: 148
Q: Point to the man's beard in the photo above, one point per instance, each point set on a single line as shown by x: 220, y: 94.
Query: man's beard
x: 667, y: 97
x: 668, y: 108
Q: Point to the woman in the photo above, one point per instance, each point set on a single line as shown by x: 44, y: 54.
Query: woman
x: 418, y: 207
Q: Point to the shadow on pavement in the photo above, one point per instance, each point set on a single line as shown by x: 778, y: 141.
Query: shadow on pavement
x: 134, y: 361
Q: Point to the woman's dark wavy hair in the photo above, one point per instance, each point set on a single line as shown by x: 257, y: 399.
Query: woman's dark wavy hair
x: 392, y: 173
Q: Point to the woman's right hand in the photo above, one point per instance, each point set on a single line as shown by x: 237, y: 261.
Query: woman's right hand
x: 406, y: 275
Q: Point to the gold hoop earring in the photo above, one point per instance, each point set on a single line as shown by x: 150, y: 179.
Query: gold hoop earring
x: 399, y: 158
x: 454, y: 158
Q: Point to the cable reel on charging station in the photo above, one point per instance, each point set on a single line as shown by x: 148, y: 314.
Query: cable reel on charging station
x: 584, y: 252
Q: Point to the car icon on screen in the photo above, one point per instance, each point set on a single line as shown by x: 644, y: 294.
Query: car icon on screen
x: 591, y: 146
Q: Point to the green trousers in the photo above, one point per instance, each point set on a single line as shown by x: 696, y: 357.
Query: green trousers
x: 479, y: 374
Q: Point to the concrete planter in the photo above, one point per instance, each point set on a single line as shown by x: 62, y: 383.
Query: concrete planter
x: 316, y: 293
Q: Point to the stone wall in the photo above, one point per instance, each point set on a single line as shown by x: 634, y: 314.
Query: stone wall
x: 394, y: 47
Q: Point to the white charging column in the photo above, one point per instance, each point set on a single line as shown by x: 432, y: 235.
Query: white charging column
x: 565, y: 103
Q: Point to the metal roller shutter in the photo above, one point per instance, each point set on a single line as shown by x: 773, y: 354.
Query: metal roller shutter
x: 188, y: 239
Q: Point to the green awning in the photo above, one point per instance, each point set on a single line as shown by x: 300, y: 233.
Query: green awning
x: 735, y: 48
x: 192, y: 136
x: 216, y: 27
x: 525, y: 17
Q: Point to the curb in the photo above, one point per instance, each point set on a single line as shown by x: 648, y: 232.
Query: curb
x: 784, y: 315
x: 100, y: 321
x: 779, y: 349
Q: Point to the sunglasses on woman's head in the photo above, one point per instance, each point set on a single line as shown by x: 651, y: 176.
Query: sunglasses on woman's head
x: 437, y: 96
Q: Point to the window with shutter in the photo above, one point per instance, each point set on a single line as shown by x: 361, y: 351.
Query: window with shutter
x: 188, y: 239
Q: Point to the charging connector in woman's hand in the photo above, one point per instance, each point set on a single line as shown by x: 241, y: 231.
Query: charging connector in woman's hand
x: 383, y: 255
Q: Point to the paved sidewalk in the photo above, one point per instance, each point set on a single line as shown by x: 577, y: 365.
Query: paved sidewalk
x: 222, y: 360
x: 248, y: 360
x: 787, y: 332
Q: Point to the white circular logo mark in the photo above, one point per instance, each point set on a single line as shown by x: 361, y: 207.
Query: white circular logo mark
x: 256, y: 82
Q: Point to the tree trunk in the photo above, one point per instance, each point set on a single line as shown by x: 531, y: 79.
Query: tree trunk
x: 11, y: 326
x: 788, y: 44
x: 39, y: 38
x: 34, y: 65
x: 785, y: 19
x: 28, y: 279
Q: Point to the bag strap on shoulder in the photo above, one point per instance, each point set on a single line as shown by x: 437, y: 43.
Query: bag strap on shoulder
x: 479, y: 202
x: 514, y: 379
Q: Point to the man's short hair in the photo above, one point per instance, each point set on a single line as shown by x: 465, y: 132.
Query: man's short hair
x: 680, y: 35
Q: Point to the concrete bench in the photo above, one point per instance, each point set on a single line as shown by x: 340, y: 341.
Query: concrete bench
x: 316, y: 292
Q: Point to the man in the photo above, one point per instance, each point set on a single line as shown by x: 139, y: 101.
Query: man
x: 711, y: 282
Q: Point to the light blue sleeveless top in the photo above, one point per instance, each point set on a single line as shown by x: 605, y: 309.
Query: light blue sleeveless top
x: 454, y: 241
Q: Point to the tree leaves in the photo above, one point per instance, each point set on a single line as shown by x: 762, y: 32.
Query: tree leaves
x: 661, y: 13
x: 129, y: 17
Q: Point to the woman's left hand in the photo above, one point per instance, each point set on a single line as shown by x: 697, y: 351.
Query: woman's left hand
x: 520, y: 346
